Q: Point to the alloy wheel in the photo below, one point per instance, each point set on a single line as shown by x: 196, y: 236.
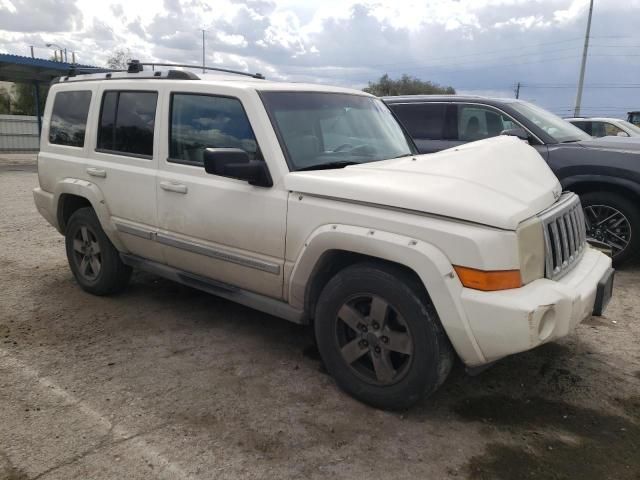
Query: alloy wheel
x: 374, y: 339
x: 87, y: 254
x: 608, y: 225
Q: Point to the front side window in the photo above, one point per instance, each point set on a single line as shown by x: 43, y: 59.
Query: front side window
x: 329, y: 130
x: 613, y: 130
x: 423, y: 121
x: 69, y: 118
x: 476, y: 122
x: 199, y: 122
x: 127, y: 121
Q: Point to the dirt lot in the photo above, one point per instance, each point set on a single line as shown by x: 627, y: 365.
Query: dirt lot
x: 167, y: 382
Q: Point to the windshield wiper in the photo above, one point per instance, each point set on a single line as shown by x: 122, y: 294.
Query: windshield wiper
x: 328, y: 165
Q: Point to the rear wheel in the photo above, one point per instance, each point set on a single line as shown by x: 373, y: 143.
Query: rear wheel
x: 613, y: 220
x: 380, y: 337
x: 93, y: 259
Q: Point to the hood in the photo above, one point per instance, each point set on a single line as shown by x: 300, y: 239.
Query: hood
x: 498, y: 182
x: 618, y: 144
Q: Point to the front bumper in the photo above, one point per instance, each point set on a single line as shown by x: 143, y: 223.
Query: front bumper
x: 512, y: 321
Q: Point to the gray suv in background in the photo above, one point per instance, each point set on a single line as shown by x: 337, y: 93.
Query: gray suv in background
x: 606, y: 173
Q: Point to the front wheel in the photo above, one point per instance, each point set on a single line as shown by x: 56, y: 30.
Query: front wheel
x: 379, y: 336
x: 613, y: 220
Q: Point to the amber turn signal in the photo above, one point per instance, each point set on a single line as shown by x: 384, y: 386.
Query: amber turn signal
x: 489, y: 281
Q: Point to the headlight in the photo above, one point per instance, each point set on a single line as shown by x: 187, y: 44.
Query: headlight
x: 531, y: 250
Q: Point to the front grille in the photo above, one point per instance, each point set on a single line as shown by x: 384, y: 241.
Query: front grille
x: 565, y: 235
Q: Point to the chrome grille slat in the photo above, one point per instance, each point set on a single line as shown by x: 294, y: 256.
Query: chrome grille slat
x: 568, y: 220
x: 576, y: 232
x: 564, y: 235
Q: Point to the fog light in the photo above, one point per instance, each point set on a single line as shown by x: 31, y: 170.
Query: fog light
x: 547, y: 324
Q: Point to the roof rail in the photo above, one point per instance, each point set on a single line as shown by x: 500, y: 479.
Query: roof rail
x: 136, y: 71
x: 124, y: 75
x: 135, y: 66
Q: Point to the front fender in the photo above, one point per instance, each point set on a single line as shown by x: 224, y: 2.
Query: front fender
x: 428, y: 262
x: 93, y: 194
x: 574, y: 181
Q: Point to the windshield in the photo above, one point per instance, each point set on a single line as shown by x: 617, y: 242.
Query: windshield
x: 559, y: 129
x: 331, y: 130
x: 630, y: 126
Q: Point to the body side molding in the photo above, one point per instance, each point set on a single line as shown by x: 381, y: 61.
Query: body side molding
x: 253, y: 300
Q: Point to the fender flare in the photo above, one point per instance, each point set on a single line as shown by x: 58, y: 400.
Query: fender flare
x: 430, y: 264
x: 569, y: 182
x: 93, y: 194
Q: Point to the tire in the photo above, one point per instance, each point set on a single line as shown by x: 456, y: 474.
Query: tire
x: 601, y: 205
x: 415, y: 358
x: 93, y: 259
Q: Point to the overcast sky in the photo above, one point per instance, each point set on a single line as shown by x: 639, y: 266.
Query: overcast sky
x: 476, y: 46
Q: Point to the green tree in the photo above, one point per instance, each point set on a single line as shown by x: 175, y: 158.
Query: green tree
x: 25, y: 102
x: 5, y: 101
x: 406, y: 85
x: 119, y: 59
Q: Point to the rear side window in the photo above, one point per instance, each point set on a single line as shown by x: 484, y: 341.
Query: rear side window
x: 199, y: 122
x: 127, y: 121
x: 69, y: 118
x: 586, y: 126
x: 423, y: 121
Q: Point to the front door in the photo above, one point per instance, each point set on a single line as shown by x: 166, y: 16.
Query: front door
x: 218, y: 227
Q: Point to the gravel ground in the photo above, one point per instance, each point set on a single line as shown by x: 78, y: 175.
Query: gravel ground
x: 163, y: 381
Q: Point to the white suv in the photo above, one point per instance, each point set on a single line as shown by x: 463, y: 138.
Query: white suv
x: 309, y: 203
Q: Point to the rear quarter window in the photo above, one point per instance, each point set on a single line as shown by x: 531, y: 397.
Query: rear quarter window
x: 69, y: 118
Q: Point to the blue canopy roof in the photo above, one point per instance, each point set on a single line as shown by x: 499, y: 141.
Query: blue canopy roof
x: 16, y: 68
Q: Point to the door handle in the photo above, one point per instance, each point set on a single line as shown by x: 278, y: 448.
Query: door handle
x: 97, y: 172
x: 173, y: 187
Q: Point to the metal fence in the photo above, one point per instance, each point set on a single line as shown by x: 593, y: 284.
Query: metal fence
x: 19, y: 133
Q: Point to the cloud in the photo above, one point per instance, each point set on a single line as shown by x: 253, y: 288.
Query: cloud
x: 42, y: 16
x: 474, y: 45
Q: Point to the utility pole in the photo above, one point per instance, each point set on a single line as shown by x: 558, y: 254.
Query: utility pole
x: 576, y: 112
x: 203, y: 70
x: 518, y: 90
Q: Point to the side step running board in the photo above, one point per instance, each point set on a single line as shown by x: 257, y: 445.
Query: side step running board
x: 263, y: 303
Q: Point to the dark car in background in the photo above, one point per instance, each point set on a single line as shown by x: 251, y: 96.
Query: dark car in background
x: 605, y: 173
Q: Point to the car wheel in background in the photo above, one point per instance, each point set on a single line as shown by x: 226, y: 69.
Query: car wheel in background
x: 614, y: 220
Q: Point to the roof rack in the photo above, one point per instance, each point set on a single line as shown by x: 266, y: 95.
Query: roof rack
x: 135, y: 71
x: 135, y: 66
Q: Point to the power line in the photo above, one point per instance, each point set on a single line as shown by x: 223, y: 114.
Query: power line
x: 519, y: 49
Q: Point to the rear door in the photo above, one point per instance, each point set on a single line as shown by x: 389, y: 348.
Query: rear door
x: 124, y: 160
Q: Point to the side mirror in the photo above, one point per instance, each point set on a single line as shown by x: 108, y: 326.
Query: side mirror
x: 622, y: 134
x: 235, y: 163
x: 521, y: 133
